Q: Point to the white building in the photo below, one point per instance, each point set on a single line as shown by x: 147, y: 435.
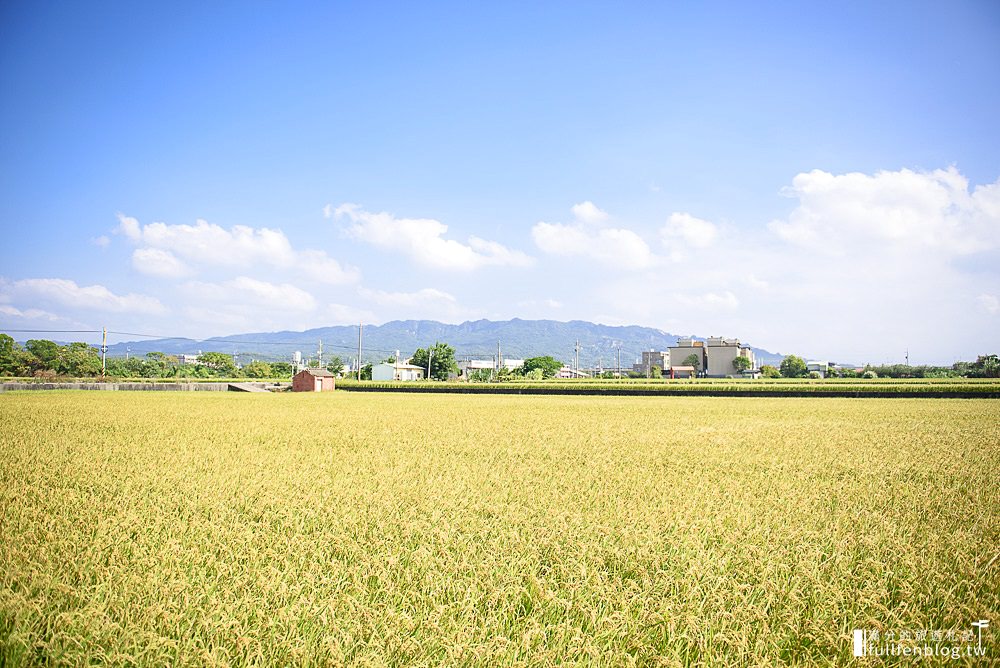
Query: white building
x: 570, y: 372
x: 466, y: 367
x: 822, y: 368
x: 397, y: 371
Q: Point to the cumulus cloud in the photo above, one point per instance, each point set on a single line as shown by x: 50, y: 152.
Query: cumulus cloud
x: 587, y: 212
x: 28, y: 314
x: 423, y: 240
x: 161, y: 263
x: 685, y: 228
x: 903, y: 210
x: 102, y: 241
x: 426, y: 296
x: 166, y: 248
x: 611, y: 246
x: 68, y: 294
x: 244, y: 290
x: 426, y: 303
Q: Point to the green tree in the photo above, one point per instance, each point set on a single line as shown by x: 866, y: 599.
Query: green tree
x: 79, y: 359
x: 769, y: 371
x: 656, y: 371
x: 442, y: 360
x: 8, y: 355
x: 281, y: 369
x: 366, y: 372
x: 221, y: 363
x: 480, y: 375
x: 336, y: 365
x: 133, y: 367
x: 549, y: 365
x: 985, y: 366
x: 692, y: 360
x: 793, y: 366
x: 257, y: 369
x: 741, y: 363
x: 45, y: 351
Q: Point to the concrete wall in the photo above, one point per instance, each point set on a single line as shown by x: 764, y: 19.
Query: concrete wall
x: 680, y: 353
x: 720, y: 360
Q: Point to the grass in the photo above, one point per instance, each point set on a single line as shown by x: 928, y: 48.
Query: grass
x: 372, y: 529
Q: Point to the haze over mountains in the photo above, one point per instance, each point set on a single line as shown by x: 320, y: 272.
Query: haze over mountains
x: 599, y: 344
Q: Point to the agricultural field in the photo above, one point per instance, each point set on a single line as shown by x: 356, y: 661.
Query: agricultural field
x: 845, y: 387
x: 353, y: 528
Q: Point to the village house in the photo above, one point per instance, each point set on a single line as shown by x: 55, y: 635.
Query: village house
x: 391, y: 371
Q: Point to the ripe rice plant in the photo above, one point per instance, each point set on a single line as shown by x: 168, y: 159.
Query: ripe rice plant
x: 401, y: 529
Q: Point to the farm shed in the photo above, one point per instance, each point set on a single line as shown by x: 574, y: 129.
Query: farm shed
x: 312, y: 380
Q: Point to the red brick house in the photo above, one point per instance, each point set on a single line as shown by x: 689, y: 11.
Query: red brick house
x: 313, y: 380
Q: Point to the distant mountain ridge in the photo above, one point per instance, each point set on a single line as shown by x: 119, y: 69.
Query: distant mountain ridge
x: 478, y: 339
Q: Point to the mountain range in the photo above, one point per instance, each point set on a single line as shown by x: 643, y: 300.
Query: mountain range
x: 479, y: 339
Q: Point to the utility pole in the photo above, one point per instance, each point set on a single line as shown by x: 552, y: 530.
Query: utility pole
x: 319, y: 355
x: 360, y: 327
x: 907, y: 357
x: 430, y: 356
x: 104, y: 351
x: 499, y: 357
x: 578, y: 356
x: 619, y: 362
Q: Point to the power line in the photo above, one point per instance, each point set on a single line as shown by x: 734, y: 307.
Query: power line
x: 53, y: 331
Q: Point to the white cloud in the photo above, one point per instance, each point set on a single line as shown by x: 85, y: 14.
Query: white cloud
x: 426, y: 303
x: 904, y: 210
x: 102, y: 241
x: 210, y: 245
x: 67, y: 293
x: 540, y: 304
x: 343, y: 314
x: 990, y: 303
x: 423, y: 240
x: 424, y: 297
x: 161, y: 263
x: 28, y: 314
x: 611, y: 246
x: 709, y: 301
x: 692, y: 231
x: 587, y: 212
x: 320, y: 267
x: 258, y: 295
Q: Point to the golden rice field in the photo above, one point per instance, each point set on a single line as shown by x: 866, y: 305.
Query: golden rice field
x: 196, y: 529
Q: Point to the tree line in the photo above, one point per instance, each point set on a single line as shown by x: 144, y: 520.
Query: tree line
x: 44, y: 358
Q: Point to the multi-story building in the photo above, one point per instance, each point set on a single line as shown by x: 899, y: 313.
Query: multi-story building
x: 650, y: 359
x: 714, y: 356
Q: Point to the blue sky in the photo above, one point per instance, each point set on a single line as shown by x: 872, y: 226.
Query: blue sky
x: 811, y: 177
